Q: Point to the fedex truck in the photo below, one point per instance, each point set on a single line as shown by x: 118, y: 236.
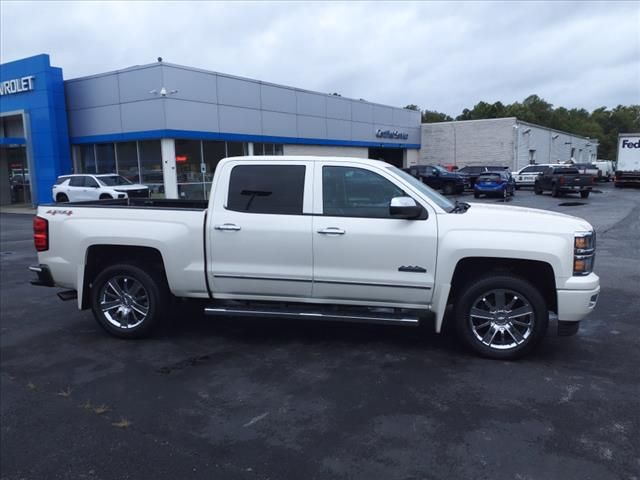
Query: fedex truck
x: 628, y: 167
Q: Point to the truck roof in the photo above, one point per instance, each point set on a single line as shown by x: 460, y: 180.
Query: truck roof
x: 307, y: 158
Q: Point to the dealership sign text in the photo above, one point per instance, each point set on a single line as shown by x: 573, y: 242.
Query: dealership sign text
x: 17, y: 85
x: 391, y: 134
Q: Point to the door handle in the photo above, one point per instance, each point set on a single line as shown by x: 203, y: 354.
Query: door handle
x: 232, y: 227
x: 332, y: 231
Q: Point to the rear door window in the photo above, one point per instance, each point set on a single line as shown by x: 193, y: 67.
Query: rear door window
x: 270, y: 189
x: 77, y: 181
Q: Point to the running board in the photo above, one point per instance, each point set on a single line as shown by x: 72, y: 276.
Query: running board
x: 368, y: 317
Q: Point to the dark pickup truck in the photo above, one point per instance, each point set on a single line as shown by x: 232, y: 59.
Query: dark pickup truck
x: 562, y: 179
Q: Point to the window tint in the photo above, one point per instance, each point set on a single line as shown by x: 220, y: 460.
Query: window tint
x: 90, y: 182
x: 355, y: 192
x: 76, y: 182
x: 61, y: 180
x: 275, y: 189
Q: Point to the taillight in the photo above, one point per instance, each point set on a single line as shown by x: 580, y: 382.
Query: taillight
x: 41, y: 234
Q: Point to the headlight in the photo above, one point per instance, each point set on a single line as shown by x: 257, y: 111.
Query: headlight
x: 584, y: 253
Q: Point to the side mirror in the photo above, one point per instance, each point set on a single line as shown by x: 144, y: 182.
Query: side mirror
x: 405, y: 207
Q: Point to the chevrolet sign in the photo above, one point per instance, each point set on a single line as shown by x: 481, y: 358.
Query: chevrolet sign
x: 17, y: 85
x: 395, y: 134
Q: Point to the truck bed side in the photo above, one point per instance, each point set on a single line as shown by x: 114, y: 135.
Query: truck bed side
x: 80, y: 234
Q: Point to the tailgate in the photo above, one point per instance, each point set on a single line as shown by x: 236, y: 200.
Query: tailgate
x: 577, y: 180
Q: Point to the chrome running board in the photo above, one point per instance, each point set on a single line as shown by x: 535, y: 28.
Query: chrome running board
x: 383, y: 318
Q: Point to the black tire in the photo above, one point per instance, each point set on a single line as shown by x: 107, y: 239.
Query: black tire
x: 537, y: 189
x: 527, y: 297
x: 156, y: 293
x: 476, y: 195
x: 555, y: 191
x: 106, y: 196
x: 517, y: 187
x: 62, y: 198
x: 585, y: 194
x: 513, y: 192
x: 449, y: 188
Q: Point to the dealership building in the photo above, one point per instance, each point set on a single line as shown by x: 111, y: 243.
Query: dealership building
x: 167, y: 126
x: 502, y: 141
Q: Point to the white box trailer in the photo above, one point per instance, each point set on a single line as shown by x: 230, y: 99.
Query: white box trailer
x: 628, y: 165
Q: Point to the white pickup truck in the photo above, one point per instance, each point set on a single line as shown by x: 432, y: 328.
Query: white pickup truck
x: 324, y: 238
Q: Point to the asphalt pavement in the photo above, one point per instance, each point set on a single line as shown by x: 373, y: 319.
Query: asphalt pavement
x: 274, y: 399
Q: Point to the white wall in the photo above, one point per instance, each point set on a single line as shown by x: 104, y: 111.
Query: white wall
x: 551, y: 146
x: 500, y: 141
x: 326, y: 151
x: 474, y: 142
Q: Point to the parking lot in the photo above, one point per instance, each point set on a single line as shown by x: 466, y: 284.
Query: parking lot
x: 271, y: 399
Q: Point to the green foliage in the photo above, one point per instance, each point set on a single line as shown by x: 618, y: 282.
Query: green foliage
x: 430, y: 116
x: 412, y: 106
x: 602, y: 124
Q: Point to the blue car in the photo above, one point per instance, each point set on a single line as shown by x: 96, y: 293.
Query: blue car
x: 497, y: 184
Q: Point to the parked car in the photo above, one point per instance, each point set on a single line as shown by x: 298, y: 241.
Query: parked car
x: 438, y: 178
x: 300, y: 238
x: 562, y: 179
x: 494, y: 184
x: 587, y: 169
x: 606, y: 171
x: 526, y: 176
x: 472, y: 172
x: 84, y: 187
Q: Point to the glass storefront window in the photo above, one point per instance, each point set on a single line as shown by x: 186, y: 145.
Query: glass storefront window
x: 87, y: 159
x: 267, y: 149
x: 105, y: 158
x: 188, y: 169
x: 151, y: 166
x: 213, y: 153
x: 128, y: 161
x: 236, y: 149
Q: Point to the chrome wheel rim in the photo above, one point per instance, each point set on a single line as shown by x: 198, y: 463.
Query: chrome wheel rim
x: 501, y: 319
x: 124, y: 302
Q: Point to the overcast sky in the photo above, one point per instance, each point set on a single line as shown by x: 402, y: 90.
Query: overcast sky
x: 441, y: 56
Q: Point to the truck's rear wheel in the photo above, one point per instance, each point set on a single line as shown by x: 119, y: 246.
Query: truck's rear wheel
x: 127, y: 301
x: 584, y: 194
x: 501, y: 316
x: 555, y: 191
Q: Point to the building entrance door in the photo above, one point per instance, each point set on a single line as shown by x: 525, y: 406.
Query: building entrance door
x: 15, y: 179
x: 390, y: 155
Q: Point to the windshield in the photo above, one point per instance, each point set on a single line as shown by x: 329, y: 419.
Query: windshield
x: 432, y: 195
x: 442, y: 169
x: 113, y: 180
x: 489, y: 177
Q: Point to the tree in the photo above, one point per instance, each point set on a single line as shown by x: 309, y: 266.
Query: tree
x: 412, y: 106
x: 431, y: 116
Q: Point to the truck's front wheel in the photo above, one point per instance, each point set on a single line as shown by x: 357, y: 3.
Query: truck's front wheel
x: 127, y: 301
x: 501, y: 316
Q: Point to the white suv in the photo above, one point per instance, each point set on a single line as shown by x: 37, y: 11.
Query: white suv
x: 82, y: 188
x: 526, y: 176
